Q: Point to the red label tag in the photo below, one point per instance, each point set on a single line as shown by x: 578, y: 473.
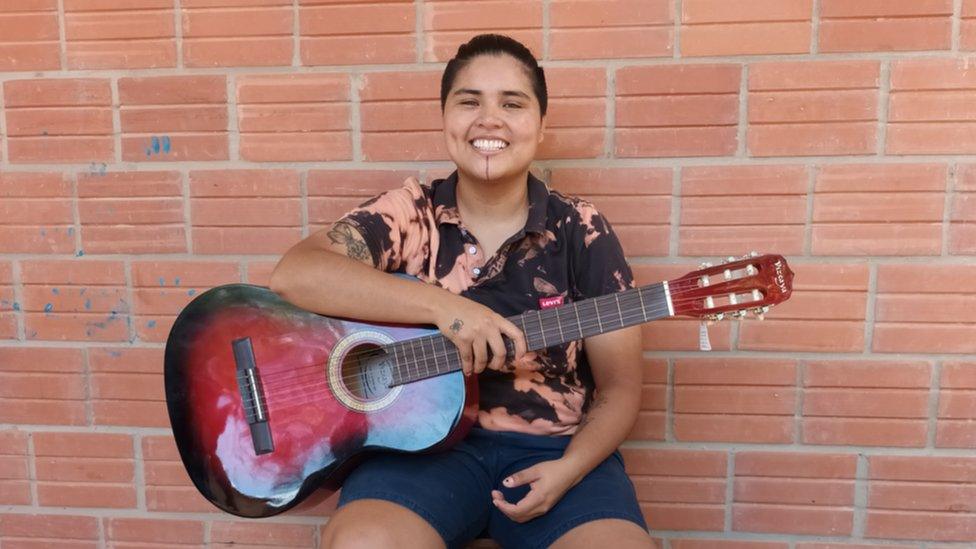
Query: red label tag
x: 550, y: 302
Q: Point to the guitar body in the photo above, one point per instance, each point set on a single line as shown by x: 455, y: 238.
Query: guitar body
x: 323, y: 394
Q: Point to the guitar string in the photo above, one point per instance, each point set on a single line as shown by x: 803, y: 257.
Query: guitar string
x: 284, y: 398
x: 270, y: 376
x: 306, y: 376
x: 452, y: 354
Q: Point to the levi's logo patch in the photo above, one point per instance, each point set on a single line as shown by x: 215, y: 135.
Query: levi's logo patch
x: 550, y: 302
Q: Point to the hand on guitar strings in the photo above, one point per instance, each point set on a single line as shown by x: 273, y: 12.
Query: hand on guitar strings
x: 479, y: 334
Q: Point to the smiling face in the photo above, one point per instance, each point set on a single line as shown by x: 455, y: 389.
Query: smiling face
x: 492, y: 122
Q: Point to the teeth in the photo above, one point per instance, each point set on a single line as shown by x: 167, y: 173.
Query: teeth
x: 489, y: 144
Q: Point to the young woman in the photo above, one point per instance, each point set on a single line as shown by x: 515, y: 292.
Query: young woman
x: 540, y: 469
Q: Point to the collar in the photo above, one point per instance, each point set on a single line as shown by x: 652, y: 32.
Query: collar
x: 446, y: 211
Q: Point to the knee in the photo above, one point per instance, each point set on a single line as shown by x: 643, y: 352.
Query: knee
x: 352, y: 534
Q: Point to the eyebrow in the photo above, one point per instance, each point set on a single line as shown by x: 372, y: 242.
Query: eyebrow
x: 471, y: 91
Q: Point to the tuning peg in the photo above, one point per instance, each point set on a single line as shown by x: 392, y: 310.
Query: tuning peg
x: 705, y: 265
x: 753, y: 254
x: 739, y: 314
x: 730, y: 259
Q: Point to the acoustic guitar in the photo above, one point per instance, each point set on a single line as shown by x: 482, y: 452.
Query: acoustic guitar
x: 270, y: 403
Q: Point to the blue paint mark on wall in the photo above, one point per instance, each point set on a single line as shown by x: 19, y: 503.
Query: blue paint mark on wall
x: 16, y: 306
x: 162, y: 281
x: 159, y: 145
x: 151, y: 324
x: 48, y: 308
x: 166, y: 144
x: 191, y: 292
x: 80, y: 253
x: 88, y: 304
x: 176, y: 281
x: 55, y: 291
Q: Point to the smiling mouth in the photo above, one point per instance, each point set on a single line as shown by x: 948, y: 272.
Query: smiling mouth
x: 488, y: 145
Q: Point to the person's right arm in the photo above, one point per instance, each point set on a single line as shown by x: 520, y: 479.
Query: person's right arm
x: 332, y: 273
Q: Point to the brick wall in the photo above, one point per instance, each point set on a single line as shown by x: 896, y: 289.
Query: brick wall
x: 151, y: 149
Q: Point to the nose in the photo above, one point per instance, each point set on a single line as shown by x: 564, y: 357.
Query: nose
x: 488, y: 116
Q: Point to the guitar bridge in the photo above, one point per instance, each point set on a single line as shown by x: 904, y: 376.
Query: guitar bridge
x: 252, y: 396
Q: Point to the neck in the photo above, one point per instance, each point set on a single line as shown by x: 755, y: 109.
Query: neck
x: 496, y: 199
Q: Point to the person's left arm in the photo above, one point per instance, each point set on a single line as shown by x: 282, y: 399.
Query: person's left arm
x: 615, y: 361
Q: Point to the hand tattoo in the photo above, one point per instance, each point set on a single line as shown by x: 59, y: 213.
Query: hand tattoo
x: 355, y: 248
x: 456, y: 326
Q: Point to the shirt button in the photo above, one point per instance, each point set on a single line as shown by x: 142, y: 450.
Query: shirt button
x: 472, y: 250
x: 476, y: 271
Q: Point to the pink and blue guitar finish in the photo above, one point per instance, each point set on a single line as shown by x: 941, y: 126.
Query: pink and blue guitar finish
x: 269, y: 402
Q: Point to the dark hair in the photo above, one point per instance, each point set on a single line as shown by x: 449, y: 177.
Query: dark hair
x: 496, y: 44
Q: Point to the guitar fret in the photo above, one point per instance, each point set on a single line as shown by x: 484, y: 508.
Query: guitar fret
x: 579, y: 326
x: 396, y: 360
x: 433, y: 354
x: 596, y: 307
x: 425, y: 361
x: 542, y: 329
x: 643, y: 309
x: 413, y: 351
x: 559, y: 325
x: 617, y: 299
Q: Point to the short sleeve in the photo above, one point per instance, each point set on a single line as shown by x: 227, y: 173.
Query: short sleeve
x: 600, y: 267
x: 396, y: 227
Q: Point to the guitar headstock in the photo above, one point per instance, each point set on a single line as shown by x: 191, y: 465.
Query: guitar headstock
x: 751, y: 283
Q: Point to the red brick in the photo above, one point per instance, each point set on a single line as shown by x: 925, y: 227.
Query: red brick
x: 794, y: 493
x: 870, y: 209
x: 74, y: 126
x: 284, y: 535
x: 597, y: 29
x: 743, y: 27
x: 59, y: 400
x: 734, y: 401
x: 14, y: 479
x: 132, y: 212
x: 141, y: 35
x: 956, y: 427
x: 30, y: 36
x: 387, y: 134
x: 831, y: 111
x: 885, y: 25
x: 237, y: 33
x: 448, y: 24
x: 298, y: 117
x: 679, y: 489
x: 925, y: 498
x: 147, y: 530
x: 576, y: 114
x: 689, y: 110
x: 812, y: 545
x: 167, y: 486
x: 35, y: 213
x: 85, y: 470
x: 686, y: 543
x: 357, y: 34
x: 924, y: 93
x: 193, y: 108
x: 968, y: 25
x: 653, y: 415
x: 127, y: 387
x: 48, y: 530
x: 682, y: 335
x: 962, y: 224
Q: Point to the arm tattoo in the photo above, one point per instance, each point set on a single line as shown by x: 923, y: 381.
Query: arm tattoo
x: 456, y: 326
x: 340, y: 233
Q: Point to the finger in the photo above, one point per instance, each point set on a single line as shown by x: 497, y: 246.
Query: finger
x: 525, y: 509
x: 464, y: 350
x: 524, y: 476
x: 497, y: 351
x: 480, y: 349
x: 516, y: 335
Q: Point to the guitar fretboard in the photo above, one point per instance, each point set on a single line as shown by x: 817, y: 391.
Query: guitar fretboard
x: 433, y: 355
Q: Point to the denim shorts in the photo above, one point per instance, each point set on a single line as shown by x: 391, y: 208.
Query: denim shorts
x: 452, y: 490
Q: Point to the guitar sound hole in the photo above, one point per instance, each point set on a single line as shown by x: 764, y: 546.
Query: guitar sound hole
x: 367, y: 372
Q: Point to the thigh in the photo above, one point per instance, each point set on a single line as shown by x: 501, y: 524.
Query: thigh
x: 355, y: 526
x: 605, y: 493
x: 625, y: 535
x: 449, y: 490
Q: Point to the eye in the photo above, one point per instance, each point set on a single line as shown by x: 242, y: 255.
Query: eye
x: 514, y: 105
x: 469, y: 102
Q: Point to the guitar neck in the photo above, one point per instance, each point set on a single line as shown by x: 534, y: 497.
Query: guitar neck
x: 433, y: 355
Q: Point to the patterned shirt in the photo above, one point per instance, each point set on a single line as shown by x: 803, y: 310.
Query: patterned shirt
x: 566, y: 252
